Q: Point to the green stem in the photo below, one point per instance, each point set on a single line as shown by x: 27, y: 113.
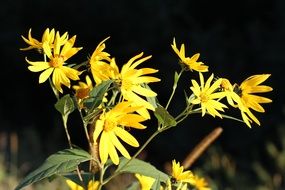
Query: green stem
x: 176, y: 79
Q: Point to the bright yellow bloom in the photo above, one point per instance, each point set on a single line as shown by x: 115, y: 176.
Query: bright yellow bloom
x: 55, y: 66
x: 208, y: 96
x: 145, y: 181
x: 232, y: 97
x: 99, y: 62
x: 47, y: 37
x: 190, y: 62
x: 132, y: 81
x: 82, y: 89
x: 180, y: 175
x: 111, y: 125
x: 92, y: 185
x: 249, y: 100
x: 200, y: 183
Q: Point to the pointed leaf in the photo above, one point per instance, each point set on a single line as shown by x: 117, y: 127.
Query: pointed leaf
x: 96, y: 95
x: 65, y: 105
x: 164, y: 117
x: 61, y: 162
x: 143, y: 168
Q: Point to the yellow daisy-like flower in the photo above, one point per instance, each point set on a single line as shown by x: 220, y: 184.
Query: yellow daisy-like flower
x: 232, y: 97
x: 208, y: 96
x: 190, y: 62
x: 145, y: 181
x: 200, y: 183
x: 55, y: 66
x: 82, y: 89
x: 92, y: 185
x: 132, y: 81
x: 249, y: 100
x: 111, y: 126
x: 99, y: 62
x: 180, y: 175
x: 47, y: 37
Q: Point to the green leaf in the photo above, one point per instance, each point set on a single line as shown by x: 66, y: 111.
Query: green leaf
x: 96, y: 95
x: 164, y: 117
x: 65, y: 105
x: 176, y: 78
x: 61, y: 162
x: 143, y: 168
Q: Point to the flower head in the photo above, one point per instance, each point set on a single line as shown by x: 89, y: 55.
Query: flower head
x: 47, y: 37
x: 248, y: 99
x: 82, y: 89
x: 92, y: 185
x: 200, y: 183
x: 208, y: 96
x: 132, y: 81
x: 55, y: 66
x: 111, y: 125
x: 145, y: 181
x: 190, y: 62
x: 99, y: 61
x: 179, y: 174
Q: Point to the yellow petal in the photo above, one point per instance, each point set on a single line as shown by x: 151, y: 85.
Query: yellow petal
x: 143, y: 91
x: 104, y: 147
x: 45, y: 75
x: 98, y: 129
x: 119, y: 146
x: 125, y: 136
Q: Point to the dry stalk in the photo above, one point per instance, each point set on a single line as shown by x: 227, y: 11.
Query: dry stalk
x: 201, y: 147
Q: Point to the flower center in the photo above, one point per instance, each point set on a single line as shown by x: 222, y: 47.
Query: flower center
x: 127, y: 84
x: 82, y: 93
x: 56, y: 61
x: 204, y: 97
x: 109, y: 125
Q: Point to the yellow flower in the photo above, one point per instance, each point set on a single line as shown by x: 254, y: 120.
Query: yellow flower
x: 47, y: 37
x: 191, y: 63
x: 200, y: 183
x: 249, y: 100
x: 99, y: 60
x: 111, y: 125
x: 82, y: 89
x: 145, y: 181
x: 179, y: 174
x: 55, y: 66
x: 207, y: 95
x: 232, y: 97
x: 92, y: 185
x: 132, y: 81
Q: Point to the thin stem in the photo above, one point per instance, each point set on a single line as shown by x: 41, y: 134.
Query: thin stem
x: 64, y: 119
x: 176, y: 79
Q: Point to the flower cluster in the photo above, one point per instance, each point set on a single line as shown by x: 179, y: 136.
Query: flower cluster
x: 113, y: 100
x: 209, y: 95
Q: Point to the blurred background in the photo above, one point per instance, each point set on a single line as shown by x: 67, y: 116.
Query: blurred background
x: 236, y: 39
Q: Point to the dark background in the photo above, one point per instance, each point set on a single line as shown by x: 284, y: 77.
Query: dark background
x: 236, y: 39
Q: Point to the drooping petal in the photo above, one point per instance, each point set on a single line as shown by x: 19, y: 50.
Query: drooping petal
x: 126, y: 137
x: 45, y: 75
x: 104, y: 147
